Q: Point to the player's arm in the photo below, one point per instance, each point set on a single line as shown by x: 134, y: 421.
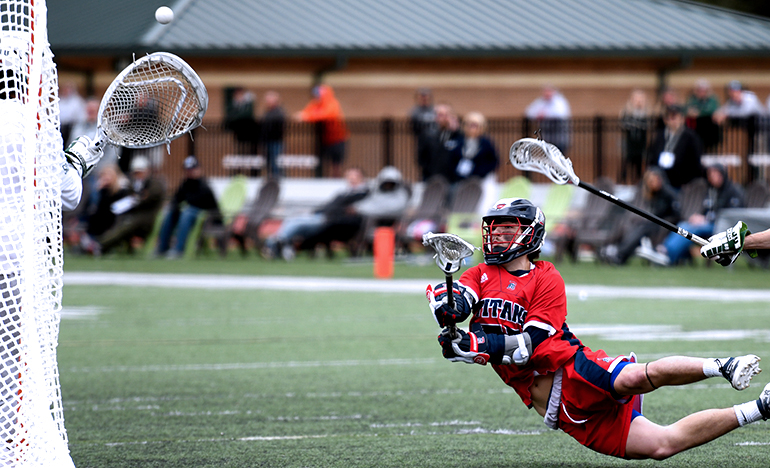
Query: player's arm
x: 479, y: 347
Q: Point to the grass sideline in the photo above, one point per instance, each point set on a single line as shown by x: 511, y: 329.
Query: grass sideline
x: 156, y: 377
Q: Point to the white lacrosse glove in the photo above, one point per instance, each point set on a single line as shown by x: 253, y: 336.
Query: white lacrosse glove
x: 725, y: 247
x: 83, y: 155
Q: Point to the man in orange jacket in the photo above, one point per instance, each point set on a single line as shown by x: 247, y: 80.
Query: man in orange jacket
x: 324, y: 107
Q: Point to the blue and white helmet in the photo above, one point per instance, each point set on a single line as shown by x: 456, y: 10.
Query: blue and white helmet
x: 518, y: 213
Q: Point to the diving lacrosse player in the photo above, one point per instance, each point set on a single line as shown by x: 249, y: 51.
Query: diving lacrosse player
x: 518, y: 308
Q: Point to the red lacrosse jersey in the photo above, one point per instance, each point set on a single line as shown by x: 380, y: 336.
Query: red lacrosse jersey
x: 515, y: 303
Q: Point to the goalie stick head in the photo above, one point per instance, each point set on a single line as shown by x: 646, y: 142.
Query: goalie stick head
x: 154, y: 100
x: 513, y: 227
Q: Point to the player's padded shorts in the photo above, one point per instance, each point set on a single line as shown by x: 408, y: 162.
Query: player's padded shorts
x: 590, y: 410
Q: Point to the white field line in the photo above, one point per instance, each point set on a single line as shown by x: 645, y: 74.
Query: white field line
x: 255, y: 365
x: 406, y: 286
x: 478, y: 430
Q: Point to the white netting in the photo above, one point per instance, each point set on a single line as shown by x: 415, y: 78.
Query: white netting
x: 529, y: 154
x: 31, y: 417
x: 155, y: 100
x: 450, y: 250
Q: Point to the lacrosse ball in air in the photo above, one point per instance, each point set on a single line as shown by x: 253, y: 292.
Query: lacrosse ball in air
x: 164, y: 15
x: 583, y: 295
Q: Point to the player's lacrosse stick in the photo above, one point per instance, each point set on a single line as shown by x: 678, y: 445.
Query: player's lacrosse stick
x: 530, y: 154
x: 450, y: 250
x: 156, y: 99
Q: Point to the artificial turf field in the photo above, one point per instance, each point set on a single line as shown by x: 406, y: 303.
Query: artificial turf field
x: 155, y: 376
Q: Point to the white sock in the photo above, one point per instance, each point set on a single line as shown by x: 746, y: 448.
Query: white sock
x: 711, y: 367
x: 747, y: 413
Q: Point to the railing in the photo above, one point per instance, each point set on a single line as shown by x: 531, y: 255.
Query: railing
x: 595, y: 148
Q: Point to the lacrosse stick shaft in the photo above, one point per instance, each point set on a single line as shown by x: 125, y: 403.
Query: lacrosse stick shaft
x: 450, y: 301
x: 644, y: 214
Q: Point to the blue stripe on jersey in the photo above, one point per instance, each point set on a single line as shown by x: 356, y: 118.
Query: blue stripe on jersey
x: 594, y: 373
x: 568, y: 336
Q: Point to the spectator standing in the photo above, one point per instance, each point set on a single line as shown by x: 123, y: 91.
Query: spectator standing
x: 741, y: 105
x: 72, y: 110
x: 239, y: 119
x: 667, y: 98
x: 191, y: 198
x: 273, y: 124
x: 135, y: 213
x: 634, y: 120
x: 298, y: 228
x: 552, y: 112
x: 701, y: 106
x: 722, y: 193
x: 478, y: 154
x: 677, y: 150
x: 325, y: 108
x: 441, y: 145
x: 422, y: 115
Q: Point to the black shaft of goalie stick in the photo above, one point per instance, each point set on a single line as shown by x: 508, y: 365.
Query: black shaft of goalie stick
x: 648, y: 216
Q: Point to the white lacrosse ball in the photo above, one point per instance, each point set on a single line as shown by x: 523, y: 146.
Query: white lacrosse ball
x: 164, y: 15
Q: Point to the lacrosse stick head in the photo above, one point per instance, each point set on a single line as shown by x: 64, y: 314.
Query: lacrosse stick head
x: 530, y: 154
x: 450, y: 250
x: 156, y: 99
x: 512, y: 228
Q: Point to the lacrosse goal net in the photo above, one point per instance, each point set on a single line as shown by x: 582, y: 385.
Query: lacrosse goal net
x: 31, y: 415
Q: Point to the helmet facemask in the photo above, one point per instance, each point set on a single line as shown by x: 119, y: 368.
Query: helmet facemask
x: 505, y: 236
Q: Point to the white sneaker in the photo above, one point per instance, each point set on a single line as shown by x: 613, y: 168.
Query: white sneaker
x: 740, y: 370
x: 646, y: 251
x: 764, y: 402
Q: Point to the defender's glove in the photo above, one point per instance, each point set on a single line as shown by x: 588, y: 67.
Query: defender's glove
x: 725, y: 247
x: 470, y: 348
x: 82, y: 155
x: 442, y: 313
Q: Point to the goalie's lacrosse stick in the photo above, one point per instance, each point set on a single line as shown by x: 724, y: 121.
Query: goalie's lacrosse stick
x: 530, y: 154
x: 450, y: 250
x: 156, y: 99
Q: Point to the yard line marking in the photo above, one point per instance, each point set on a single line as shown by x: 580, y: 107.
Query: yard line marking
x: 748, y: 444
x: 402, y: 286
x: 254, y: 365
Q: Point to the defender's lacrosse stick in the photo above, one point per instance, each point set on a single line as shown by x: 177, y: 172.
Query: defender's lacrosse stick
x: 450, y: 250
x: 156, y: 99
x: 530, y: 154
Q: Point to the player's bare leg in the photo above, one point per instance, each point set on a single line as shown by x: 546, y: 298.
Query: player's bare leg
x: 649, y: 440
x: 681, y: 370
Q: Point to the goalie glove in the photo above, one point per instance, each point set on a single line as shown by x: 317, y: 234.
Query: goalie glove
x: 82, y: 155
x: 442, y: 313
x: 725, y: 247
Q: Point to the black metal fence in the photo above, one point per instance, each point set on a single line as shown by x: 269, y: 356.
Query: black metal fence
x: 596, y: 146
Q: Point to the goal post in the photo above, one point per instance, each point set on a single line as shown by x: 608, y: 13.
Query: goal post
x: 32, y: 430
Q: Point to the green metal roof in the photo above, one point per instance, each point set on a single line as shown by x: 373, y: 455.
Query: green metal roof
x: 422, y: 28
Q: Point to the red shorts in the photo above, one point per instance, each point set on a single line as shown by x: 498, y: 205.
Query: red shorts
x: 590, y: 410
